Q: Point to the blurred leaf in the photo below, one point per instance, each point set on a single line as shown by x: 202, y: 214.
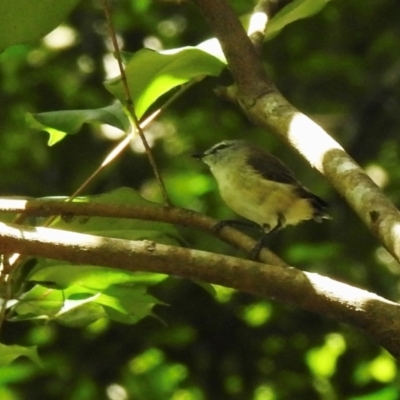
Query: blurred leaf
x: 383, y: 368
x: 91, y: 277
x: 294, y: 11
x: 127, y: 304
x: 151, y: 74
x: 303, y: 252
x: 322, y: 360
x: 388, y: 393
x: 89, y: 292
x: 40, y: 302
x: 124, y: 228
x: 257, y: 314
x: 61, y: 123
x: 81, y: 316
x: 78, y: 306
x: 8, y: 353
x: 23, y: 21
x: 298, y: 9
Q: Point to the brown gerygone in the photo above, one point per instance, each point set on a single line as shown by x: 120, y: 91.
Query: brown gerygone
x: 259, y: 187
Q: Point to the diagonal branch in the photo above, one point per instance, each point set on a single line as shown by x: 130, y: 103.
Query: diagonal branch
x: 173, y: 215
x: 264, y: 105
x: 376, y: 316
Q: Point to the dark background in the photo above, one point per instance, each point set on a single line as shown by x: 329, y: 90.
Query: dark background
x: 341, y: 67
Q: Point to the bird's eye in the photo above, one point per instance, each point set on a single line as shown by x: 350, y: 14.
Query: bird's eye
x: 219, y: 147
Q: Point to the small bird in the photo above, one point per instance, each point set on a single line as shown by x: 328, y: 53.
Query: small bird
x: 260, y: 187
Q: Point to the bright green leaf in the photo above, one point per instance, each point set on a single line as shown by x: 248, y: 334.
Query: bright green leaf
x: 383, y: 368
x: 81, y: 306
x: 126, y: 304
x: 151, y: 74
x: 82, y: 316
x: 8, y: 353
x: 60, y: 123
x: 123, y: 228
x: 91, y: 277
x: 40, y: 302
x: 322, y: 361
x: 298, y: 9
x: 387, y: 393
x: 23, y: 21
x: 257, y: 314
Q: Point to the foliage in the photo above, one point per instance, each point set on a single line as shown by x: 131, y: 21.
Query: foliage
x: 230, y: 345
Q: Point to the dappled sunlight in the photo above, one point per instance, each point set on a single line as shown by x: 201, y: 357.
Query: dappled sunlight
x: 318, y: 142
x: 111, y: 67
x: 116, y: 392
x: 10, y: 203
x: 111, y: 132
x: 395, y: 234
x: 378, y: 174
x: 61, y: 38
x: 258, y: 21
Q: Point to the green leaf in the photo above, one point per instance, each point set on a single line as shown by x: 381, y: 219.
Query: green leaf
x: 294, y: 11
x: 387, y: 393
x: 40, y: 302
x: 150, y: 74
x: 8, y: 353
x: 85, y: 314
x: 61, y: 123
x: 91, y: 277
x: 126, y: 304
x: 123, y: 228
x: 298, y: 9
x: 77, y: 295
x: 80, y: 306
x: 23, y: 21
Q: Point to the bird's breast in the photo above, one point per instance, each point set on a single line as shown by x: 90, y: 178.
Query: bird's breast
x: 260, y: 200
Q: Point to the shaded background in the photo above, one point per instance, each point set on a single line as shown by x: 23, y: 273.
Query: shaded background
x: 341, y: 67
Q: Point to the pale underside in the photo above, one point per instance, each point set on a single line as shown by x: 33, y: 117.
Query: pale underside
x: 261, y: 201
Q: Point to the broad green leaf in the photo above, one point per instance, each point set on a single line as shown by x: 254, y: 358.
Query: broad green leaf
x: 294, y: 11
x: 81, y: 316
x: 120, y: 227
x: 298, y: 9
x: 126, y: 304
x: 150, y: 74
x: 23, y: 21
x: 40, y: 302
x: 8, y: 353
x: 79, y: 306
x: 91, y: 277
x: 387, y: 393
x: 61, y: 123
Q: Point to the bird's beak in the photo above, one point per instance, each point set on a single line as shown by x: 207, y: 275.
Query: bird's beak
x: 198, y: 156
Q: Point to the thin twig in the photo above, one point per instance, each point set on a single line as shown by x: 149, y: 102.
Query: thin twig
x: 5, y: 283
x: 130, y: 105
x: 121, y: 146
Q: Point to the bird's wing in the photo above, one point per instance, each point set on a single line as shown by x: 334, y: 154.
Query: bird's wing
x: 271, y: 168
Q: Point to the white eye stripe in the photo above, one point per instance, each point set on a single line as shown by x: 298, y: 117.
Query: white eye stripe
x: 219, y: 147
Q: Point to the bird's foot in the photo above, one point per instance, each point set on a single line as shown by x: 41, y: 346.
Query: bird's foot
x: 255, y: 252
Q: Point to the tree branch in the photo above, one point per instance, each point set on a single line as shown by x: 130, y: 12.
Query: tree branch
x: 376, y: 316
x: 264, y: 105
x: 173, y: 215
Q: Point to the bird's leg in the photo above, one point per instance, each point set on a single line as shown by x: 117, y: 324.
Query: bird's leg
x: 233, y: 222
x: 264, y: 238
